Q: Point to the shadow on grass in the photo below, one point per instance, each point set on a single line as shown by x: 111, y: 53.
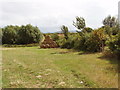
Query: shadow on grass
x: 85, y: 53
x: 59, y: 52
x: 63, y: 51
x: 113, y: 61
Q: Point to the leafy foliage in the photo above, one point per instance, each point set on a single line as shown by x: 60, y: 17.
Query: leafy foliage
x: 55, y: 36
x: 96, y: 41
x: 65, y: 31
x: 20, y: 35
x: 0, y: 36
x: 114, y: 44
x: 86, y: 39
x: 79, y: 23
x: 29, y: 34
x: 110, y: 21
x: 92, y: 42
x: 9, y: 35
x: 87, y: 30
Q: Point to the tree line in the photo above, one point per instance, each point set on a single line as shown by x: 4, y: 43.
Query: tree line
x: 25, y: 34
x: 87, y: 39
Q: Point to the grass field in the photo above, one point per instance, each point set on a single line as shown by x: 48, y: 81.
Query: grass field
x: 31, y: 67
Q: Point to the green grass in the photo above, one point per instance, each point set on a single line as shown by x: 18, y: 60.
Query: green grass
x: 27, y: 67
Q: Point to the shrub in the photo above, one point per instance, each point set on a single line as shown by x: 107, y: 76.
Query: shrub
x: 96, y: 41
x: 80, y: 43
x: 61, y: 41
x: 68, y: 44
x: 55, y: 36
x: 114, y: 44
x: 92, y: 42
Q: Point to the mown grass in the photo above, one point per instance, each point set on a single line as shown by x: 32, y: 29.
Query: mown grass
x: 27, y: 67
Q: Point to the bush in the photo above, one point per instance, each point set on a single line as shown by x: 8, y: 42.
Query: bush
x: 114, y: 44
x: 61, y: 42
x: 92, y: 42
x: 69, y: 44
x: 55, y: 36
x: 96, y: 41
x: 80, y: 43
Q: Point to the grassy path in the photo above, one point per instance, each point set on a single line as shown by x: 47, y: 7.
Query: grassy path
x: 33, y: 67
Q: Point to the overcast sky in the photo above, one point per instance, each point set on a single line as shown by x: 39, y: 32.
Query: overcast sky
x: 49, y: 15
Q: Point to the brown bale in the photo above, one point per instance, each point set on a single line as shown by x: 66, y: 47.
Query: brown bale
x: 48, y: 43
x: 42, y: 46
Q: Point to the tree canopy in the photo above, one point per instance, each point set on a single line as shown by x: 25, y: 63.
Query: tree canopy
x: 110, y: 21
x: 20, y: 34
x: 79, y: 23
x: 65, y: 31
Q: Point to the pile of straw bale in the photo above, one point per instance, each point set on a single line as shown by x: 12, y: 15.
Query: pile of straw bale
x: 48, y: 43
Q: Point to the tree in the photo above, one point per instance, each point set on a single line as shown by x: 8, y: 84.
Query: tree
x: 110, y: 21
x: 29, y: 34
x: 97, y: 40
x: 111, y: 26
x: 114, y: 44
x: 9, y: 35
x: 65, y: 31
x: 87, y: 30
x: 116, y: 29
x: 21, y: 34
x: 79, y: 23
x: 0, y: 36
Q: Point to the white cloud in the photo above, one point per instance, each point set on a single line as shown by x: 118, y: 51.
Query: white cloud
x: 49, y: 15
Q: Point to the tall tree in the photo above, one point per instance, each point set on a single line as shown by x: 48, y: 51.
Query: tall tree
x: 110, y: 21
x: 9, y: 35
x: 79, y: 23
x: 111, y: 26
x: 65, y: 31
x: 0, y: 36
x: 29, y: 34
